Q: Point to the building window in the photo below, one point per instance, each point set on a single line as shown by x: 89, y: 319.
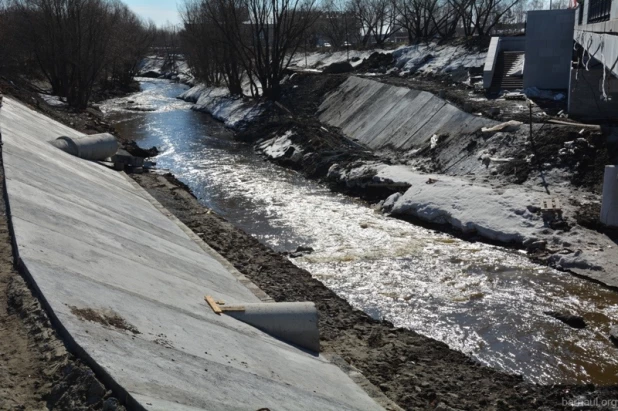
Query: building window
x: 599, y: 10
x: 580, y: 18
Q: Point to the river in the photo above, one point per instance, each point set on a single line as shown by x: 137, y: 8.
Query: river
x: 480, y: 299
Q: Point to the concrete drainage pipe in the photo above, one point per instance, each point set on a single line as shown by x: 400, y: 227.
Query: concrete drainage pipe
x: 96, y: 147
x: 295, y: 323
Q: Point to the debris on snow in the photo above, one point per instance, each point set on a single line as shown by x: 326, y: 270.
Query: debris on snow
x: 511, y: 125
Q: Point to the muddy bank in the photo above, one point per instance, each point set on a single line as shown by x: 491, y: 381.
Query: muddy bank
x: 414, y: 371
x: 36, y: 370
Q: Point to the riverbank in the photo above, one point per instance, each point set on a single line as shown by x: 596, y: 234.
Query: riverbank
x: 385, y: 360
x: 437, y: 177
x: 414, y: 371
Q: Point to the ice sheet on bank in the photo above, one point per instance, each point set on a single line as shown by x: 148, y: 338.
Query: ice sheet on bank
x: 422, y: 58
x: 54, y: 101
x: 507, y: 214
x: 277, y: 147
x: 233, y: 111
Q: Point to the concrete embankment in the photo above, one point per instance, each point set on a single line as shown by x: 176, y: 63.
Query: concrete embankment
x: 384, y: 117
x: 125, y: 284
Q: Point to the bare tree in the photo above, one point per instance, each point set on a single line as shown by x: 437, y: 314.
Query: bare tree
x: 417, y: 18
x: 337, y: 23
x: 261, y: 36
x: 71, y: 41
x: 480, y: 16
x: 130, y: 42
x: 446, y: 20
x: 377, y: 19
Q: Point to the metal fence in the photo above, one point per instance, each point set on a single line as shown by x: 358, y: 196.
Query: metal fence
x: 599, y: 10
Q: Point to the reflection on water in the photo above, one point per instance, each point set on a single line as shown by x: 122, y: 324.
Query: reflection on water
x: 477, y: 298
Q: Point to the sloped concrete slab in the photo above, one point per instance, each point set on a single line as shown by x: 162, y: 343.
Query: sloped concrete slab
x: 98, y: 249
x: 383, y: 117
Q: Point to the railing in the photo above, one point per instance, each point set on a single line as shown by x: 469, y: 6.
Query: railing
x: 580, y: 18
x: 599, y: 10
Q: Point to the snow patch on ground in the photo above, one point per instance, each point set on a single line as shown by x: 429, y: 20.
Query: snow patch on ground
x: 508, y: 214
x: 424, y: 58
x: 152, y: 66
x: 434, y: 58
x: 53, y: 101
x: 321, y: 59
x: 277, y: 147
x: 233, y: 111
x: 518, y: 67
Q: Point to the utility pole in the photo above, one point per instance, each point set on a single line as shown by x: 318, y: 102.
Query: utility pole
x: 347, y: 43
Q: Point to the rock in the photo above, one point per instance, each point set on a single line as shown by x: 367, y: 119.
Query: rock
x: 94, y: 112
x: 304, y: 249
x: 613, y: 334
x: 493, y: 111
x: 377, y: 61
x: 111, y: 404
x: 573, y: 321
x: 337, y: 68
x: 533, y: 209
x: 95, y: 392
x: 443, y: 407
x: 538, y: 245
x: 135, y: 150
x: 389, y: 203
x: 151, y: 74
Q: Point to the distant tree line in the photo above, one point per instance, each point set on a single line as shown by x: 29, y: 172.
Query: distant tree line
x: 251, y: 42
x: 74, y: 44
x: 230, y: 41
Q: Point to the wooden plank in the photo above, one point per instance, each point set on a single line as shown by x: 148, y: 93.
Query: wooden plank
x: 550, y: 204
x: 211, y: 302
x: 568, y: 123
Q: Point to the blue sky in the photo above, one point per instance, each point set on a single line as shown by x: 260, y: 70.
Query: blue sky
x: 160, y: 11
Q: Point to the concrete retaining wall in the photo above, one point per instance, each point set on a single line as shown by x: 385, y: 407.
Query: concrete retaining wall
x: 585, y: 99
x: 549, y: 47
x: 385, y: 117
x: 497, y: 45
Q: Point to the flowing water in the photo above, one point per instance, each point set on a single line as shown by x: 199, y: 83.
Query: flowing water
x: 479, y: 299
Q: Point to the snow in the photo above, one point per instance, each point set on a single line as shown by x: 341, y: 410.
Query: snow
x: 503, y: 217
x: 518, y: 67
x: 233, y: 111
x: 276, y: 147
x: 499, y: 213
x: 154, y: 65
x: 53, y: 101
x: 424, y: 58
x: 533, y: 92
x: 321, y: 59
x: 434, y: 58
